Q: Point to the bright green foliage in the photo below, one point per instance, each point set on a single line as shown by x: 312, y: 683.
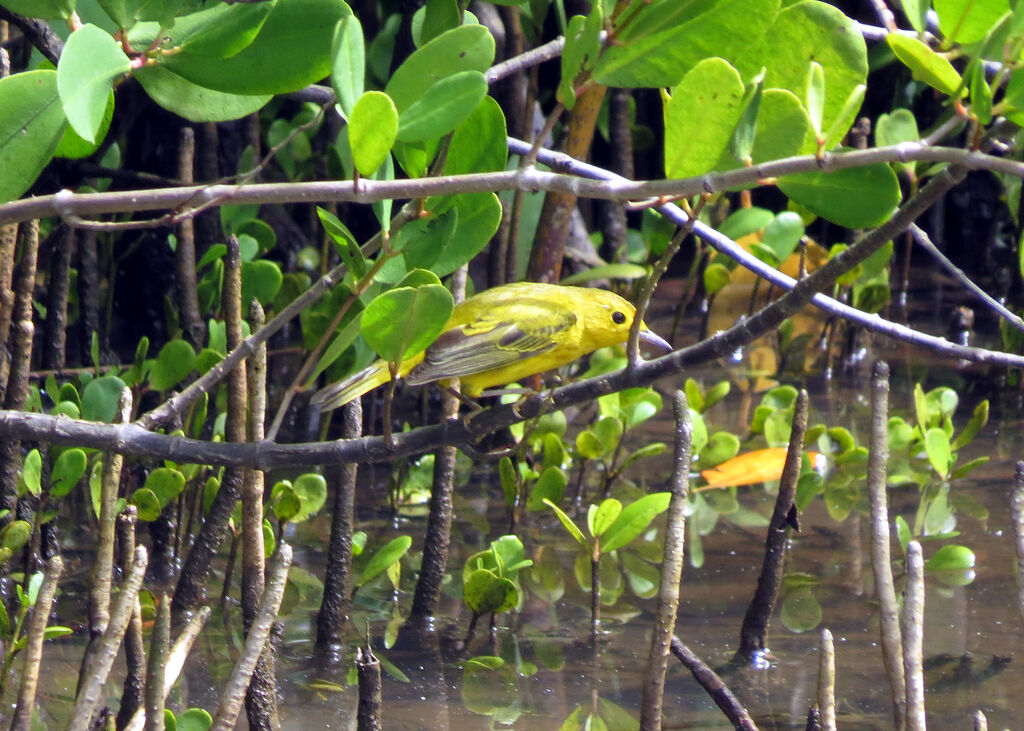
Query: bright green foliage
x: 88, y: 67
x: 31, y: 125
x: 927, y: 65
x: 385, y: 557
x: 405, y: 320
x: 489, y: 577
x: 373, y: 124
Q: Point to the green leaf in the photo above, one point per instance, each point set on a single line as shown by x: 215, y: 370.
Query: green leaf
x: 466, y: 48
x: 311, y: 489
x: 386, y: 555
x: 73, y: 147
x: 981, y: 93
x: 818, y: 32
x: 700, y: 116
x: 741, y: 141
x: 478, y: 145
x: 936, y: 445
x: 345, y: 242
x: 815, y: 100
x: 782, y: 234
x: 968, y: 21
x: 286, y: 502
x: 582, y: 47
x: 176, y: 360
x: 634, y: 519
x: 479, y: 215
x: 31, y: 124
x: 435, y: 18
x: 860, y: 197
x: 588, y: 445
x: 600, y: 517
x: 89, y: 64
x: 194, y: 102
x: 488, y: 685
x: 41, y: 8
x: 509, y: 482
x: 609, y: 430
x: 147, y: 503
x: 953, y: 565
x: 32, y: 473
x: 485, y: 592
x: 569, y: 525
x: 444, y: 105
x: 67, y: 471
x: 402, y: 322
x: 194, y: 719
x: 550, y: 486
x: 978, y: 420
x: 166, y: 484
x: 720, y: 447
x: 897, y: 126
x: 372, y: 127
x: 745, y: 221
x: 100, y: 397
x: 783, y: 129
x: 801, y: 610
x: 967, y: 467
x: 348, y: 70
x: 925, y: 64
x: 15, y: 535
x: 422, y: 240
x: 221, y: 31
x: 291, y: 51
x: 261, y: 280
x: 666, y: 38
x: 643, y: 578
x: 716, y: 277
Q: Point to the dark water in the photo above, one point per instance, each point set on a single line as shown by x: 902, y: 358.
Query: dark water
x: 972, y: 633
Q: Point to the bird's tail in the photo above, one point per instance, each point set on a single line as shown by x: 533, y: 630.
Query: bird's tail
x: 340, y: 393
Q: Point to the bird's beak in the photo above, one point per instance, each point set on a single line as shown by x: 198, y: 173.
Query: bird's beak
x: 655, y: 342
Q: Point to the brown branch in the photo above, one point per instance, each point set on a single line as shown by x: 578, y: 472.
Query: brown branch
x: 881, y: 552
x: 755, y: 622
x: 671, y: 569
x: 186, y: 201
x: 715, y: 686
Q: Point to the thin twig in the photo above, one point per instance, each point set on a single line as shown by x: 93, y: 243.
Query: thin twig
x: 912, y: 628
x: 158, y: 649
x: 926, y: 243
x: 133, y: 695
x: 103, y: 567
x: 22, y: 720
x: 337, y: 595
x: 175, y: 661
x: 755, y: 622
x: 881, y: 553
x: 368, y: 715
x: 827, y: 682
x: 715, y: 687
x: 261, y: 698
x: 671, y: 569
x: 255, y: 643
x: 1017, y: 511
x: 90, y: 692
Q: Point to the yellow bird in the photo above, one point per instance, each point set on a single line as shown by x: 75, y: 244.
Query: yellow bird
x: 505, y: 334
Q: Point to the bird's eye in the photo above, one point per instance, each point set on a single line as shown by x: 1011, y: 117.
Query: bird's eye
x: 618, y: 318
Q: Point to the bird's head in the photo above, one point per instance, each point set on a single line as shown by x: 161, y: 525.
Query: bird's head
x: 608, y: 318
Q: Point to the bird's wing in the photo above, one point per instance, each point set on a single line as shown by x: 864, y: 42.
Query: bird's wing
x: 482, y: 345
